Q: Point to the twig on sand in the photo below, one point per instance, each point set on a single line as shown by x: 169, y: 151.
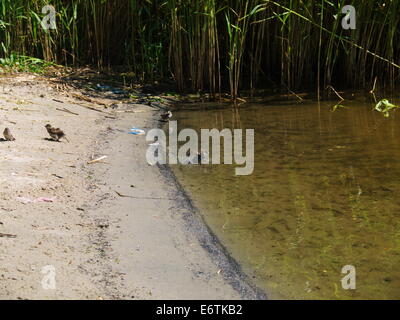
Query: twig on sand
x: 92, y: 108
x: 19, y: 109
x: 151, y: 198
x: 87, y: 99
x: 122, y: 195
x: 67, y: 111
x: 81, y: 97
x: 4, y: 235
x: 126, y: 111
x: 107, y: 114
x: 97, y: 160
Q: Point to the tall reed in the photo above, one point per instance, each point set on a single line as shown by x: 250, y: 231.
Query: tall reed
x: 214, y: 46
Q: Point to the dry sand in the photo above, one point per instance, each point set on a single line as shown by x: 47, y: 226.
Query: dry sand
x: 116, y: 229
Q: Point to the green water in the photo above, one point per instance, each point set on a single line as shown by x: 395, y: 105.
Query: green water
x: 324, y: 194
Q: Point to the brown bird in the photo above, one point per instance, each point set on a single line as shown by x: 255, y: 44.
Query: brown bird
x: 7, y: 135
x: 55, y: 133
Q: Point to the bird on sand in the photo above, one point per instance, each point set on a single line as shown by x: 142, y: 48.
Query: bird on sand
x: 166, y: 116
x: 7, y: 135
x: 55, y: 133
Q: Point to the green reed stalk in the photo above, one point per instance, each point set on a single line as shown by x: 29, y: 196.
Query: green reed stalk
x: 213, y: 46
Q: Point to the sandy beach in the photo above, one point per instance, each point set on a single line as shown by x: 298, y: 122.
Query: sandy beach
x: 117, y: 228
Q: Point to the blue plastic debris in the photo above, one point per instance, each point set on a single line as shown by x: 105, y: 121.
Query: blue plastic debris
x: 137, y: 131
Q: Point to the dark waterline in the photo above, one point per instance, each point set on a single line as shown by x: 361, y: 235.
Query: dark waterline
x: 323, y: 195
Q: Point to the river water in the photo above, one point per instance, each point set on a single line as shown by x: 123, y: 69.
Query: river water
x: 323, y: 195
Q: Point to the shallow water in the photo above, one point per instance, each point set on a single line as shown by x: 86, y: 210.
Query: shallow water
x: 324, y: 194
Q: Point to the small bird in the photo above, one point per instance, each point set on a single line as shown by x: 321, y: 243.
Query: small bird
x: 7, y: 135
x: 166, y: 116
x: 55, y: 133
x: 198, y: 157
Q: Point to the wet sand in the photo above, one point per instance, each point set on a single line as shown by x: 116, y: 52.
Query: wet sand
x: 115, y: 229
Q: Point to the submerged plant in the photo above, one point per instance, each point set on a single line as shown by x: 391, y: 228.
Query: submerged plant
x: 384, y: 106
x: 338, y: 106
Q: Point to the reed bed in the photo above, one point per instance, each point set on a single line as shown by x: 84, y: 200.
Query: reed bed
x: 214, y: 46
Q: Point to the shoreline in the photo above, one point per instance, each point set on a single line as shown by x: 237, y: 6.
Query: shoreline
x: 209, y: 262
x: 233, y: 273
x: 116, y: 229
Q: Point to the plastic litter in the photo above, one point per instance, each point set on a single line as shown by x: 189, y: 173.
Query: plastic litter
x: 109, y: 88
x: 137, y: 131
